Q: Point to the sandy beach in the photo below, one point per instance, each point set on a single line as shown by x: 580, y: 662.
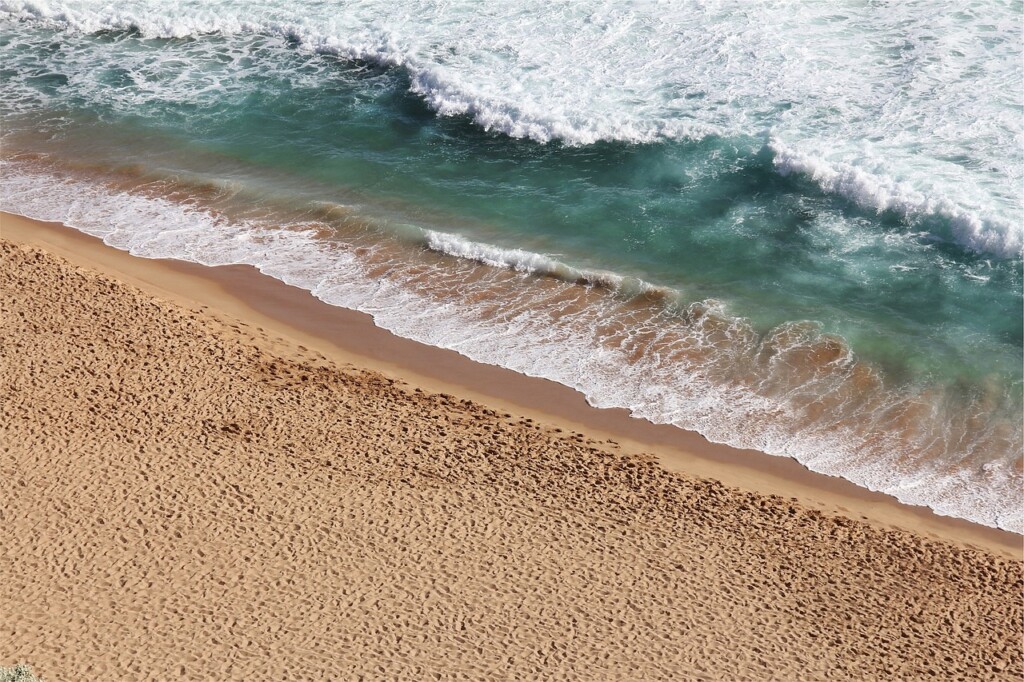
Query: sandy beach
x: 210, y: 475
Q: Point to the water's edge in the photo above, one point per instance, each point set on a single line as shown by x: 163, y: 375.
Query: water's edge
x: 985, y: 506
x: 286, y: 310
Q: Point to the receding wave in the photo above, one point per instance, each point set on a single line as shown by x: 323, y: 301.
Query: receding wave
x: 792, y: 390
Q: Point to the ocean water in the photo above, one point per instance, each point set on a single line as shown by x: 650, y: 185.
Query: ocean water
x: 790, y: 226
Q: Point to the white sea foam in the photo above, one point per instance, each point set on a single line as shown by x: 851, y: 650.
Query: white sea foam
x: 531, y: 263
x: 882, y: 193
x: 911, y: 110
x: 516, y: 259
x: 587, y: 348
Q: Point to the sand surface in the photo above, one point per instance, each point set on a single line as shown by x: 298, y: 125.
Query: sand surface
x: 186, y: 495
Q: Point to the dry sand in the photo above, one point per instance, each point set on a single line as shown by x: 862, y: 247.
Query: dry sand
x: 186, y: 494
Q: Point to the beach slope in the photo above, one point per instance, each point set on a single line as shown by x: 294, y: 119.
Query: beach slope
x: 188, y: 495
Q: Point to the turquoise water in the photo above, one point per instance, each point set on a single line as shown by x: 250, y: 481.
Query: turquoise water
x: 815, y: 256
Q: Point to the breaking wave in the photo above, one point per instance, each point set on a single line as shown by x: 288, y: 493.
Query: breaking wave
x: 582, y: 75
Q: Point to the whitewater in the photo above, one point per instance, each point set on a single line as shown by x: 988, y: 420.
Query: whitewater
x: 583, y: 72
x: 795, y: 227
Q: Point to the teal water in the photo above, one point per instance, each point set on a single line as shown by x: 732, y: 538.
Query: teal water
x: 864, y: 316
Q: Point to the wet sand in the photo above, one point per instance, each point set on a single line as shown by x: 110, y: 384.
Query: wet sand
x: 213, y: 475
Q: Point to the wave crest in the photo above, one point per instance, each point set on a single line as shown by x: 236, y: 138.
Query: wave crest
x: 881, y: 194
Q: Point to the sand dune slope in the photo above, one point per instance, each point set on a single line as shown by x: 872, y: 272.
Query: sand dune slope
x: 184, y: 496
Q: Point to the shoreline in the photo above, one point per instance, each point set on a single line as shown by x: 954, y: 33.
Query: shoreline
x: 350, y: 337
